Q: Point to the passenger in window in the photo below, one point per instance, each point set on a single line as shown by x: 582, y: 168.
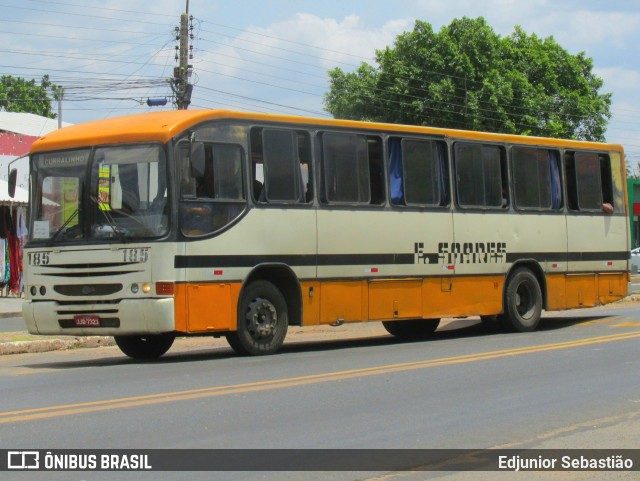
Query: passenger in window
x: 607, y: 208
x: 197, y: 216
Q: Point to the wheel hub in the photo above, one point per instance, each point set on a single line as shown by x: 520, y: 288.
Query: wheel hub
x: 262, y: 317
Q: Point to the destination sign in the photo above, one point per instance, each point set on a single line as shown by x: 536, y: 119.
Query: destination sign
x: 68, y: 159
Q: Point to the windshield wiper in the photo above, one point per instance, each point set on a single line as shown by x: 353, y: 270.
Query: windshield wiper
x: 102, y: 207
x: 62, y: 228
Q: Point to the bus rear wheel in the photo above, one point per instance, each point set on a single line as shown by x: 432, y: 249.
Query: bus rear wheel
x: 151, y: 346
x: 522, y: 302
x: 411, y: 328
x: 262, y: 320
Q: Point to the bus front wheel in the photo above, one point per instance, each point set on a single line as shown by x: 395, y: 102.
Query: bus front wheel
x: 145, y: 347
x: 411, y: 328
x: 262, y: 320
x: 522, y: 302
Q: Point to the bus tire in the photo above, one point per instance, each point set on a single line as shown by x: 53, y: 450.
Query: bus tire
x: 411, y: 328
x: 522, y: 302
x: 262, y: 320
x: 151, y: 346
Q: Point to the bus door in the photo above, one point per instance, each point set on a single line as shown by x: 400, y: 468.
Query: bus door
x: 212, y: 200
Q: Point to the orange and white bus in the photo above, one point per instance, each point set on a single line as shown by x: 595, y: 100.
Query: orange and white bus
x: 223, y: 223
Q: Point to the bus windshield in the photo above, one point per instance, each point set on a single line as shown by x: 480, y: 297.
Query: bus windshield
x: 117, y: 192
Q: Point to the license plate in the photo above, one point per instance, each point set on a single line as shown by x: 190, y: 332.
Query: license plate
x: 86, y: 321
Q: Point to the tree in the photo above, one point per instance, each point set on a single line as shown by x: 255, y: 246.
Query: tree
x: 467, y: 76
x: 20, y: 95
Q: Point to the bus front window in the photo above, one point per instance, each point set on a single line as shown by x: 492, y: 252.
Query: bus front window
x: 128, y: 195
x: 57, y: 204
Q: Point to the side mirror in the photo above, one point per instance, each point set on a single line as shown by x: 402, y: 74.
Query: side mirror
x: 13, y: 177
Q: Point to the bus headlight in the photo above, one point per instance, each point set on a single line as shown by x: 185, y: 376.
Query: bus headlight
x: 146, y: 288
x: 134, y: 288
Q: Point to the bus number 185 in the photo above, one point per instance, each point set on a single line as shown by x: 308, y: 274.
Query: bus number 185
x: 135, y: 255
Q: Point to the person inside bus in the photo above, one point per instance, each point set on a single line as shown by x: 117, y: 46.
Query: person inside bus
x: 199, y: 184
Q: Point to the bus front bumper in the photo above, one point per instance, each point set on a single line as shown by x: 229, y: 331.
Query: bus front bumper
x: 139, y: 316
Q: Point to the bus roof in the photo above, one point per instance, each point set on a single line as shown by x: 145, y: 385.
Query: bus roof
x: 162, y: 126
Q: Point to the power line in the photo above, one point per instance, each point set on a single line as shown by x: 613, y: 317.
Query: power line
x: 147, y: 64
x: 82, y: 39
x: 409, y: 79
x: 42, y: 24
x: 263, y: 101
x: 83, y: 15
x: 147, y: 13
x: 302, y: 53
x: 273, y: 37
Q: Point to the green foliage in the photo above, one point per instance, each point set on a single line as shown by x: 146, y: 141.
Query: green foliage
x: 468, y: 77
x: 20, y: 95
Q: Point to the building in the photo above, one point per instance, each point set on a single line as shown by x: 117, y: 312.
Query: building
x: 17, y: 132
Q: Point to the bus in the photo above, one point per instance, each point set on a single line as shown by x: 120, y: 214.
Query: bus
x: 238, y: 225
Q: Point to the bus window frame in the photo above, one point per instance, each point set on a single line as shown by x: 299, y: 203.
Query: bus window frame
x: 446, y: 164
x: 318, y: 149
x: 307, y: 195
x: 324, y: 197
x: 606, y: 155
x: 196, y: 201
x: 504, y: 170
x: 512, y: 183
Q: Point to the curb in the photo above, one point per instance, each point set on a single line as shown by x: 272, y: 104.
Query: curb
x: 46, y: 345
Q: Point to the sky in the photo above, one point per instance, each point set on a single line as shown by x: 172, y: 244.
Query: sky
x: 273, y: 56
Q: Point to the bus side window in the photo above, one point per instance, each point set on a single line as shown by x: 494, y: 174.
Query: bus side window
x: 418, y: 173
x: 589, y: 182
x: 481, y: 176
x: 212, y: 194
x: 214, y: 172
x: 280, y: 165
x: 352, y: 169
x: 536, y: 178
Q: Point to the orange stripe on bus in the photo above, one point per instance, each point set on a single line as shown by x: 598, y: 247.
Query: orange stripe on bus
x: 211, y: 307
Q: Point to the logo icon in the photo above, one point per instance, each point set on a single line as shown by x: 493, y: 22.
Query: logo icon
x: 23, y: 460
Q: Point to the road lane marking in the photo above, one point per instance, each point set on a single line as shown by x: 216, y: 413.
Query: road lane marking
x: 162, y: 398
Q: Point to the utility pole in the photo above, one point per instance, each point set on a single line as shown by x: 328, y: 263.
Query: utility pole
x: 180, y: 84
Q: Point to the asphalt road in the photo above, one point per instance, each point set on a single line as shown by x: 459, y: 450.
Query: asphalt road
x: 573, y: 384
